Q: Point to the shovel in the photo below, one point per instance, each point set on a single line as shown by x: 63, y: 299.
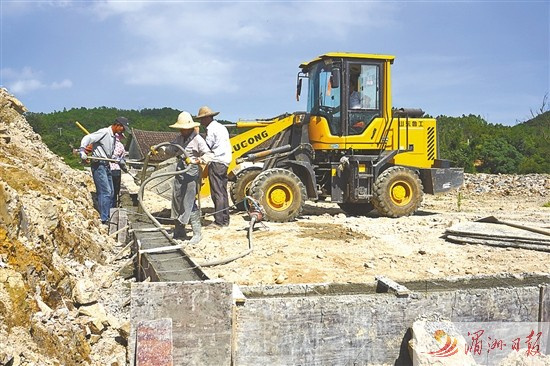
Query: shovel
x: 136, y: 179
x: 494, y: 220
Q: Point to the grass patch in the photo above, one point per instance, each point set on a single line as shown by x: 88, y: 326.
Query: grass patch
x: 547, y: 204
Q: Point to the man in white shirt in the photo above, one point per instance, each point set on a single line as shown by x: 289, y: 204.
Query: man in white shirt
x: 217, y: 138
x: 101, y: 144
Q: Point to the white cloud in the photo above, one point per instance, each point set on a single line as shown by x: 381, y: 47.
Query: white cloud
x: 27, y: 80
x: 21, y: 82
x: 64, y: 84
x: 24, y: 8
x: 182, y: 70
x: 24, y: 86
x: 202, y: 46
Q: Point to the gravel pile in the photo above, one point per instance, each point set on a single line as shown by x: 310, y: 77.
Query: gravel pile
x: 508, y: 185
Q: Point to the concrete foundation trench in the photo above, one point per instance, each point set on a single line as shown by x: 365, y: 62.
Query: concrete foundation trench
x: 181, y: 317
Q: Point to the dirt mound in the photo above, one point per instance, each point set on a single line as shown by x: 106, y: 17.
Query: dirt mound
x: 326, y: 245
x: 51, y: 243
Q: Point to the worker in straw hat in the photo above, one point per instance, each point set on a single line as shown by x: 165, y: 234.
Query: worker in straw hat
x: 186, y: 185
x: 217, y: 139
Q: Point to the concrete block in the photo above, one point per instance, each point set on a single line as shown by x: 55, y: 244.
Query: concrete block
x: 361, y: 329
x: 201, y: 314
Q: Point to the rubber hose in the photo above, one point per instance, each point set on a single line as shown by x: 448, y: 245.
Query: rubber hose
x: 231, y: 259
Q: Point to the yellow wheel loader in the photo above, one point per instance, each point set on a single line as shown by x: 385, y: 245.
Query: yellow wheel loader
x: 349, y: 145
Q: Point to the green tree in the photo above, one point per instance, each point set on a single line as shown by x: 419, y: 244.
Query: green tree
x: 497, y: 156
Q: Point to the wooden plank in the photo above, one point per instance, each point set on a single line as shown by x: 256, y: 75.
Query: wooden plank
x: 154, y: 343
x: 544, y: 304
x: 495, y: 231
x: 497, y: 243
x: 122, y: 236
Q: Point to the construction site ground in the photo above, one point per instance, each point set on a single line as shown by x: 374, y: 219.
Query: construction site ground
x: 325, y: 245
x: 65, y: 282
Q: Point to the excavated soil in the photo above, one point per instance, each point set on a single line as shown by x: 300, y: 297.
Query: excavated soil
x: 326, y: 245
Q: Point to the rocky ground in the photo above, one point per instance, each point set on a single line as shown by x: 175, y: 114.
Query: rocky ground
x: 326, y: 245
x: 64, y: 302
x: 61, y: 299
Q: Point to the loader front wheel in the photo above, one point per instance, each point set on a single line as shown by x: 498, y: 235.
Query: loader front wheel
x: 241, y: 187
x: 281, y: 194
x: 397, y: 192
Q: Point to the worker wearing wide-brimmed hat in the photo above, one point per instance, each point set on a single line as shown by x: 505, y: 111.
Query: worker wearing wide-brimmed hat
x: 217, y: 139
x: 186, y: 185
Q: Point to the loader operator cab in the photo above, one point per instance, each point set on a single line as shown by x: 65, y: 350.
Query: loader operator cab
x: 346, y: 90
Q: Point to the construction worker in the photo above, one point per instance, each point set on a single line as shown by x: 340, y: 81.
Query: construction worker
x: 101, y: 145
x: 217, y: 138
x: 186, y: 185
x: 119, y: 154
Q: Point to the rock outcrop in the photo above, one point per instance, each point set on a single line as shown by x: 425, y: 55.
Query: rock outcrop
x: 53, y: 250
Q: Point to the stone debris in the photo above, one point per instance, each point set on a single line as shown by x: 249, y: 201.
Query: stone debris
x: 438, y: 342
x: 56, y: 305
x: 507, y: 185
x: 84, y: 292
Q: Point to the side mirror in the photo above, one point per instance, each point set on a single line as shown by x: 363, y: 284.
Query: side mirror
x: 335, y: 78
x: 298, y: 89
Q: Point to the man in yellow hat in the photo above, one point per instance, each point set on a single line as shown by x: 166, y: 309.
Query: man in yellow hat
x: 186, y: 185
x: 217, y: 138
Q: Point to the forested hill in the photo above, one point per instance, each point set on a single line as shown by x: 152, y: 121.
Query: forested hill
x: 482, y: 147
x: 469, y: 141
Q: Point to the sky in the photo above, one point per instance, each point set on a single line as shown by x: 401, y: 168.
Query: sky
x: 241, y: 58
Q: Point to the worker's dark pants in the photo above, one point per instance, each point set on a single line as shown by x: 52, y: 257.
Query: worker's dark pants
x: 116, y: 176
x: 217, y: 174
x: 104, y: 189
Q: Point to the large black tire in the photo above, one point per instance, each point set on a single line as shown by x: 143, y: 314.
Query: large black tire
x: 281, y: 194
x: 397, y: 192
x: 356, y: 209
x: 241, y: 187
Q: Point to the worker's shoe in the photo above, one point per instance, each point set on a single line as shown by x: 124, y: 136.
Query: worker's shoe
x: 195, y: 220
x: 179, y: 231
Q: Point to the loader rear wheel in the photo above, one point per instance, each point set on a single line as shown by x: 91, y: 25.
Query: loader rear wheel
x: 281, y: 194
x: 356, y: 209
x: 241, y: 187
x: 397, y: 192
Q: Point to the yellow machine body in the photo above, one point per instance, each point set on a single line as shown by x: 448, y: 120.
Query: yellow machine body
x: 350, y: 144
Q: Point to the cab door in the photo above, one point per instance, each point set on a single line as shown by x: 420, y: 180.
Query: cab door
x: 363, y: 118
x: 326, y: 128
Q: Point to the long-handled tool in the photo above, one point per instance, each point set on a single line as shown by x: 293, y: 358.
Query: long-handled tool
x: 123, y: 167
x: 82, y: 128
x: 75, y: 151
x: 494, y: 220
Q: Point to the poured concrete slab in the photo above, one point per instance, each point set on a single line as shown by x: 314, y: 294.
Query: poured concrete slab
x: 324, y: 324
x: 201, y: 314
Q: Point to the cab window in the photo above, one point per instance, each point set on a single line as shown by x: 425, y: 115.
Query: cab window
x: 324, y: 97
x: 364, y: 97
